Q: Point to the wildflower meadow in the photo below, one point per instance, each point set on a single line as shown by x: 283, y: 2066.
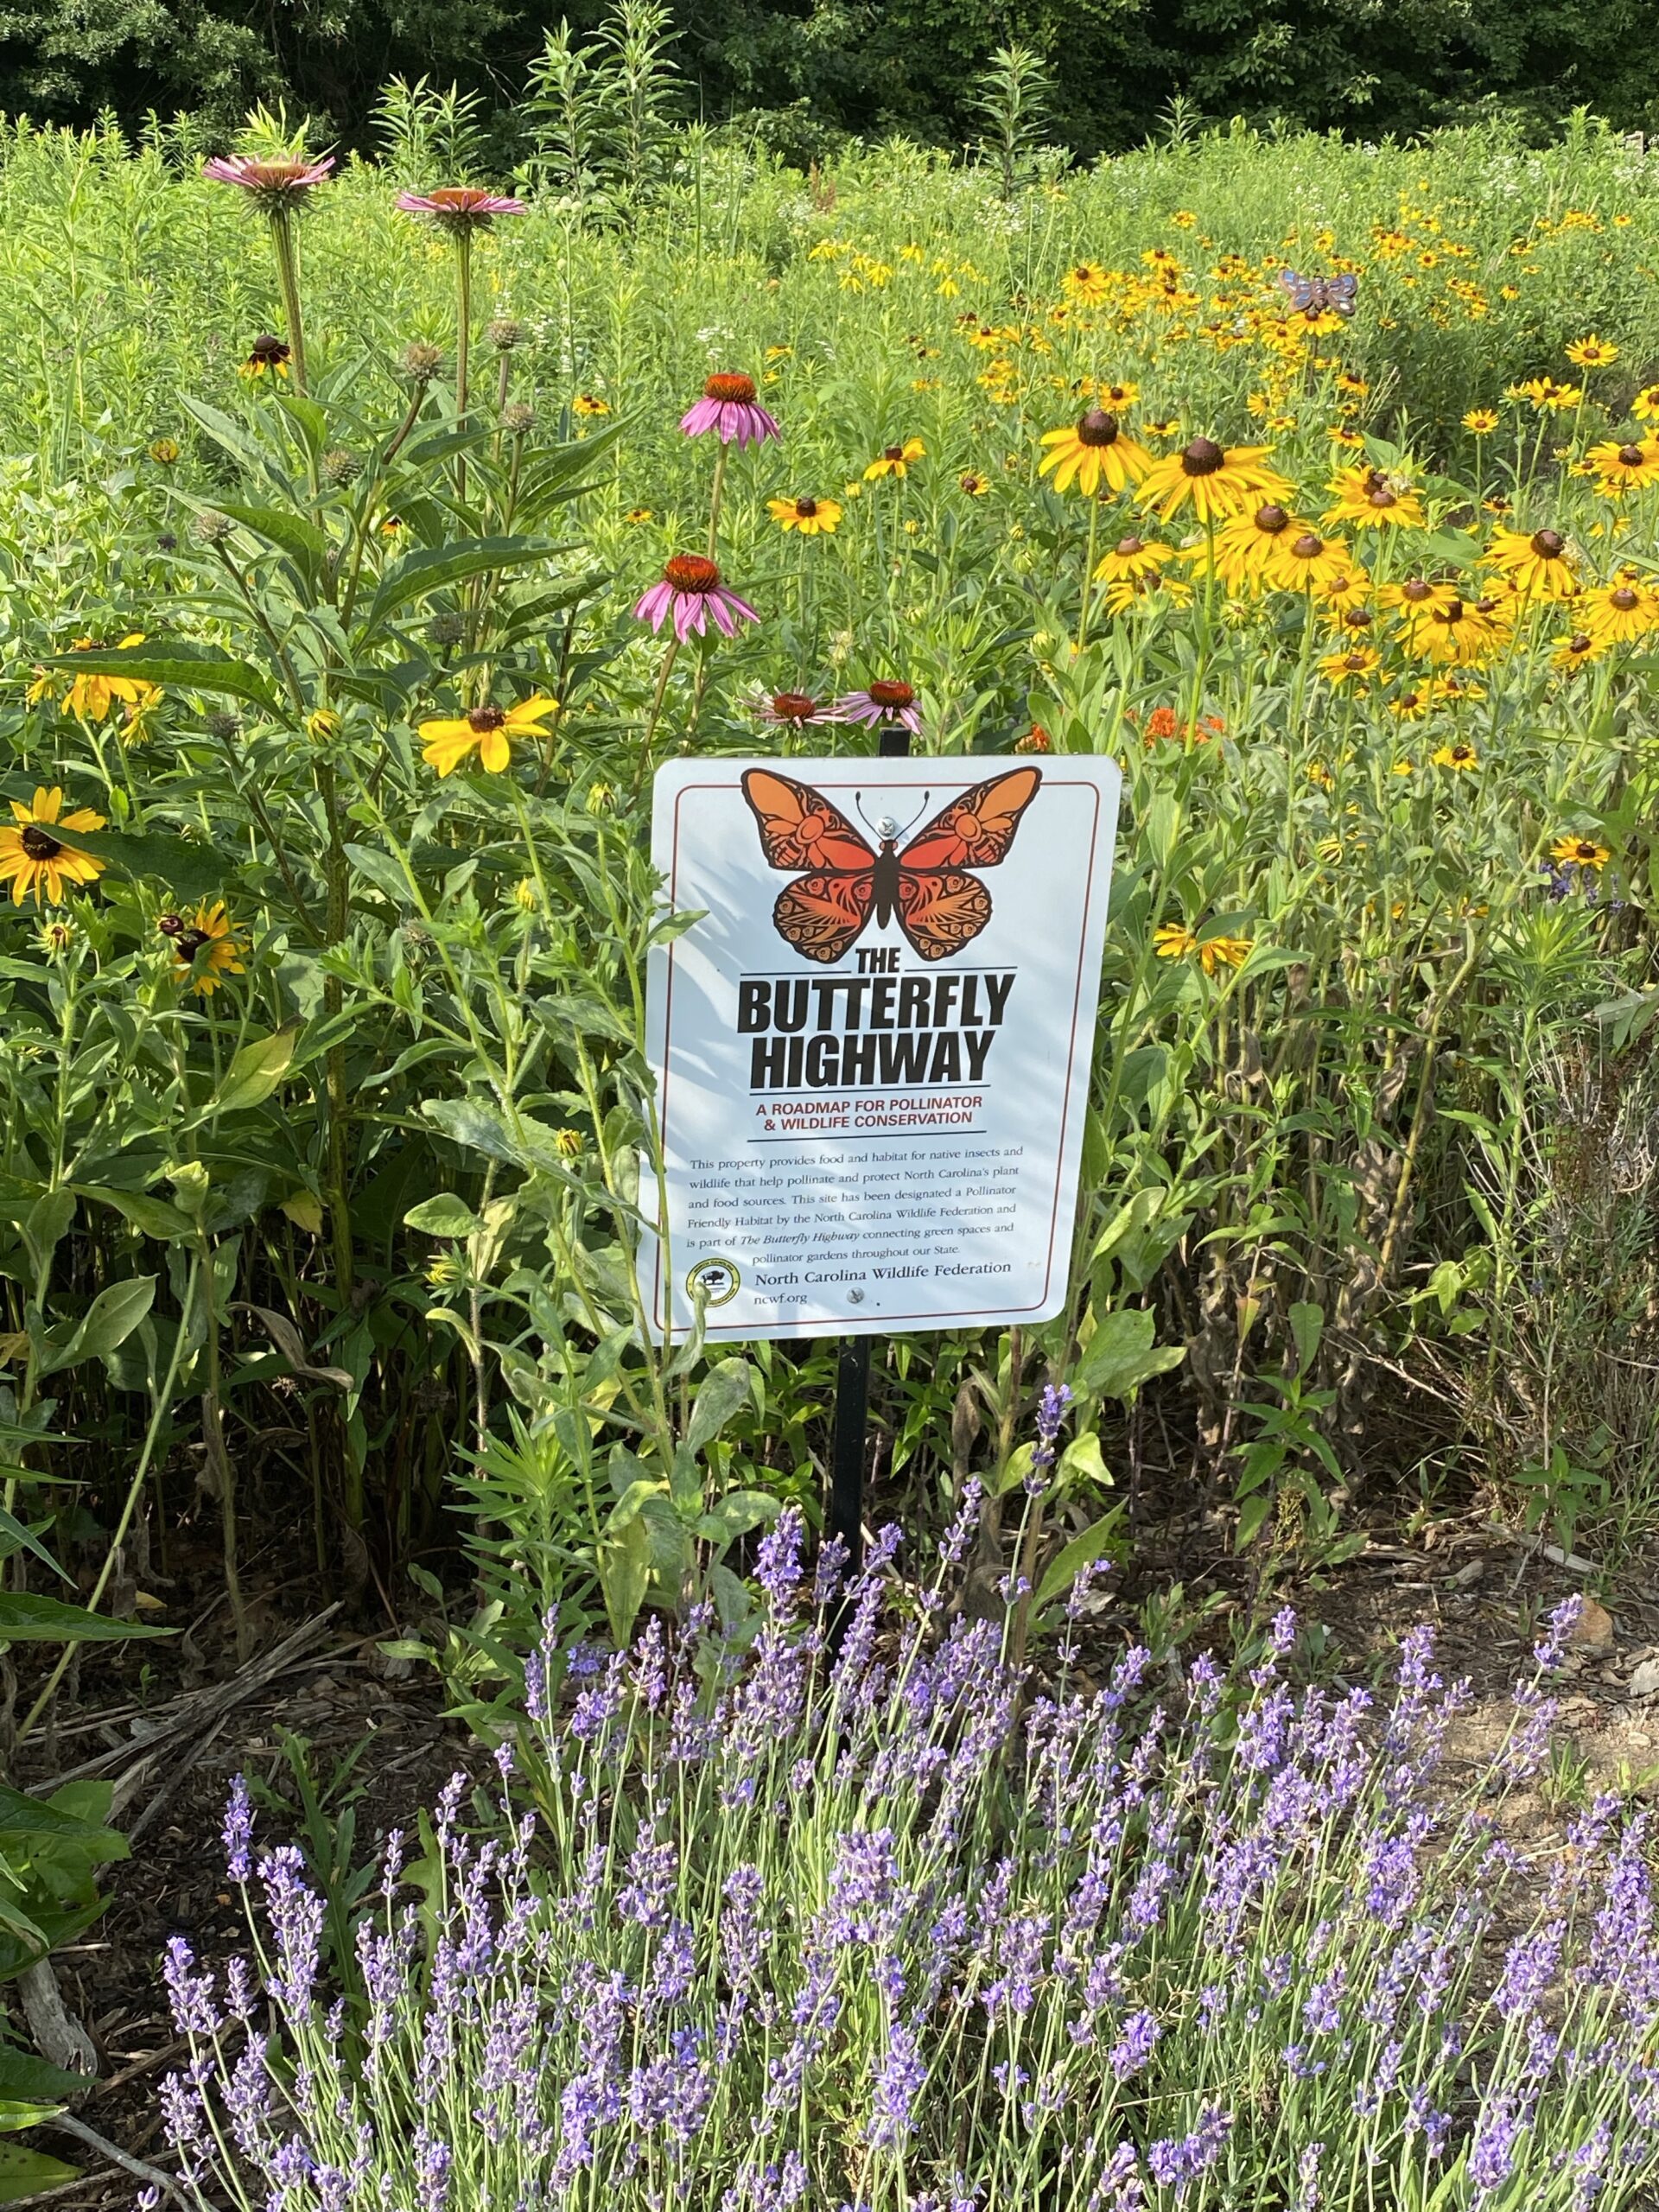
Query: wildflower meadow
x: 372, y: 531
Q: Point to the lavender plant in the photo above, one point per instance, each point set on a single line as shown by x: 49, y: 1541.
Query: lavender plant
x: 900, y: 1933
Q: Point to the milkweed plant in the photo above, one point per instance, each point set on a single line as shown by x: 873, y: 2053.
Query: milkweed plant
x: 858, y: 1916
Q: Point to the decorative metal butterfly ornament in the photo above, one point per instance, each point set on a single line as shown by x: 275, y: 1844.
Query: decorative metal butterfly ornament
x: 1311, y: 295
x: 925, y: 888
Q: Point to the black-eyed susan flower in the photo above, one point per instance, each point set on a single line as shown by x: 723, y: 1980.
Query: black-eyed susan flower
x: 974, y: 483
x: 164, y: 451
x: 1621, y: 466
x: 93, y: 695
x: 894, y: 460
x: 267, y: 356
x: 1575, y: 651
x: 1619, y: 612
x: 1093, y: 451
x: 322, y: 724
x: 1087, y: 285
x: 809, y: 516
x: 1375, y: 499
x: 589, y: 403
x: 1538, y: 564
x: 1459, y: 758
x: 1461, y: 632
x: 1132, y: 560
x: 1323, y: 566
x: 1250, y: 550
x: 206, y: 947
x: 1545, y: 395
x: 1592, y: 352
x: 1173, y: 942
x: 1579, y: 852
x: 1356, y: 666
x: 488, y: 731
x: 34, y: 862
x: 1481, y: 421
x: 637, y: 515
x: 1645, y: 405
x: 1215, y: 481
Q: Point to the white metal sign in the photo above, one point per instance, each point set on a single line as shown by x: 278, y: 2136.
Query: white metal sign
x: 873, y: 1046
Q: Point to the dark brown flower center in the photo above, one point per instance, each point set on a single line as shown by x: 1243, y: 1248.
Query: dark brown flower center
x: 806, y: 509
x: 1580, y: 642
x: 1383, y: 498
x: 730, y: 389
x: 1270, y: 520
x: 1451, y: 611
x: 1129, y: 547
x: 794, y: 706
x: 268, y: 350
x: 1485, y: 606
x: 1632, y: 456
x: 1097, y: 427
x: 483, y: 720
x: 1415, y: 589
x: 893, y: 453
x: 1307, y: 545
x: 1357, y: 619
x: 1624, y: 598
x: 1357, y: 661
x: 886, y: 691
x: 1203, y: 457
x: 38, y: 845
x: 1548, y: 544
x: 692, y: 572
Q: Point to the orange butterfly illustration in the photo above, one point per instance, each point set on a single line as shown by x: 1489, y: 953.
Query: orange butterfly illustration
x: 925, y: 888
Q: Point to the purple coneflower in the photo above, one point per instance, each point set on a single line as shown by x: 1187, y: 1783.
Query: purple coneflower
x: 692, y: 593
x: 460, y: 206
x: 884, y: 701
x: 278, y: 184
x: 730, y: 407
x: 790, y: 709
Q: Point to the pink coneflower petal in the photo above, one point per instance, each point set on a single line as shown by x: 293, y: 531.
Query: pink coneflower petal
x: 729, y: 610
x: 861, y: 707
x: 655, y: 604
x: 460, y: 206
x: 281, y: 179
x: 705, y: 416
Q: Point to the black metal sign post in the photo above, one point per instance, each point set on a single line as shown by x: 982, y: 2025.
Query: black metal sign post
x: 851, y: 1437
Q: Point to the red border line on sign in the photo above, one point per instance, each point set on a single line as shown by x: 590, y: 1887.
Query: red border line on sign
x: 806, y: 1325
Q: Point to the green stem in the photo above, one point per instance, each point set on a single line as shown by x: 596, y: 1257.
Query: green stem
x: 288, y: 278
x: 643, y: 771
x: 1087, y: 575
x: 463, y: 342
x: 713, y: 497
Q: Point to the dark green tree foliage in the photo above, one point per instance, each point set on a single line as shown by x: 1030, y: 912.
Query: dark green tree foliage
x: 804, y: 72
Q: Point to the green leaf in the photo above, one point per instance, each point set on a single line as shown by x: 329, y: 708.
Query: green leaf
x: 1071, y: 1559
x: 1307, y: 1325
x: 177, y: 662
x: 25, y: 1618
x: 31, y: 2085
x: 444, y: 1216
x: 1251, y: 1514
x: 108, y: 1322
x: 1120, y: 1355
x: 434, y: 568
x: 301, y: 541
x: 736, y: 1513
x: 623, y: 1561
x: 382, y: 871
x: 24, y: 1538
x: 26, y: 2172
x: 253, y: 1074
x: 725, y: 1389
x: 24, y: 1818
x: 151, y: 1215
x: 191, y: 869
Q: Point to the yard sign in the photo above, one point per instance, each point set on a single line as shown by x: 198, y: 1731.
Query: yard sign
x: 873, y: 1045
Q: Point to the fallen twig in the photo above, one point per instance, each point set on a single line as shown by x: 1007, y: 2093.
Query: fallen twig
x: 66, y: 2124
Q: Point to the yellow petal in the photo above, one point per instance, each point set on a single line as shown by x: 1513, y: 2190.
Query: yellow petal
x: 494, y: 751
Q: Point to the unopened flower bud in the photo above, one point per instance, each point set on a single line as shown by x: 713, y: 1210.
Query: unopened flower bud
x: 446, y: 629
x: 422, y: 362
x: 221, y: 724
x: 341, y: 466
x: 601, y: 799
